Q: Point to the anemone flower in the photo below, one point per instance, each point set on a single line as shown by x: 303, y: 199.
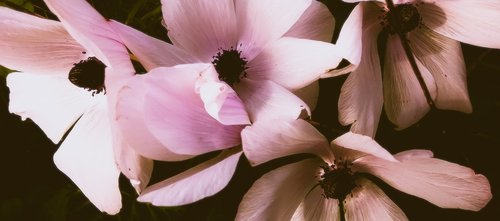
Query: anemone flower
x: 423, y: 65
x: 250, y: 55
x: 327, y: 187
x: 62, y: 87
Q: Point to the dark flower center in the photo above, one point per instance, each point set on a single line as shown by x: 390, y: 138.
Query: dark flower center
x: 88, y: 74
x: 338, y: 180
x: 403, y: 18
x: 230, y: 65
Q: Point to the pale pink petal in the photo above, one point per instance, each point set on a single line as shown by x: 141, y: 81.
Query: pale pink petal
x: 294, y: 63
x: 151, y: 52
x: 317, y: 23
x: 309, y: 94
x: 201, y: 27
x: 412, y: 154
x: 201, y: 181
x: 442, y: 183
x: 95, y: 34
x: 220, y: 100
x: 267, y: 140
x: 52, y: 102
x: 472, y: 22
x: 135, y: 167
x: 352, y: 146
x: 443, y: 58
x: 369, y: 202
x: 263, y: 21
x: 277, y: 194
x: 36, y: 45
x: 130, y: 117
x: 316, y: 207
x: 404, y: 99
x: 265, y: 100
x: 361, y: 99
x: 175, y: 113
x: 86, y: 156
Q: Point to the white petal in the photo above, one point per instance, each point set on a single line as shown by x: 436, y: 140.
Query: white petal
x: 52, y: 102
x: 36, y: 45
x: 175, y: 113
x: 194, y: 184
x: 404, y: 98
x: 95, y: 34
x: 316, y: 207
x: 294, y: 63
x: 412, y: 154
x: 263, y: 21
x: 444, y: 60
x: 151, y: 52
x: 265, y: 100
x: 352, y: 146
x: 369, y: 202
x: 471, y: 22
x: 277, y: 194
x: 267, y: 140
x: 361, y: 99
x: 201, y: 27
x: 130, y: 118
x: 220, y: 100
x: 442, y: 183
x: 309, y: 94
x: 317, y: 23
x: 86, y: 156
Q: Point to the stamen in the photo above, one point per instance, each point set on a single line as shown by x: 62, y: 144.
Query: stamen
x: 402, y: 18
x: 338, y: 180
x: 88, y: 74
x: 230, y: 65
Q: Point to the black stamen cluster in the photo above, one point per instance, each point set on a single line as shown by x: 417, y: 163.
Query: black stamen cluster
x: 338, y: 180
x: 403, y: 18
x: 230, y: 65
x: 88, y: 74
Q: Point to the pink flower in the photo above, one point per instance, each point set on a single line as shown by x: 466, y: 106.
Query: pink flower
x: 433, y: 30
x: 259, y: 50
x: 313, y: 189
x: 87, y: 52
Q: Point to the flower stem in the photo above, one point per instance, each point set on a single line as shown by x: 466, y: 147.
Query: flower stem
x: 411, y: 59
x: 342, y: 210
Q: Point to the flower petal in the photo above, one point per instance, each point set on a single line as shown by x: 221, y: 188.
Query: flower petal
x: 404, y: 99
x: 277, y: 194
x: 263, y: 21
x: 131, y: 117
x: 194, y: 184
x: 94, y: 33
x: 309, y: 94
x: 267, y: 140
x: 317, y: 23
x: 352, y: 146
x: 316, y: 207
x: 361, y: 99
x: 52, y: 102
x: 442, y: 183
x: 134, y: 166
x: 369, y: 202
x: 220, y: 100
x: 175, y: 114
x: 471, y: 22
x: 201, y: 27
x: 412, y: 154
x: 265, y: 100
x: 294, y: 63
x: 36, y: 45
x: 443, y: 58
x: 86, y: 156
x: 151, y: 52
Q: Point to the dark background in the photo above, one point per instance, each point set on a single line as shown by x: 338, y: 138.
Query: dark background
x: 32, y: 188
